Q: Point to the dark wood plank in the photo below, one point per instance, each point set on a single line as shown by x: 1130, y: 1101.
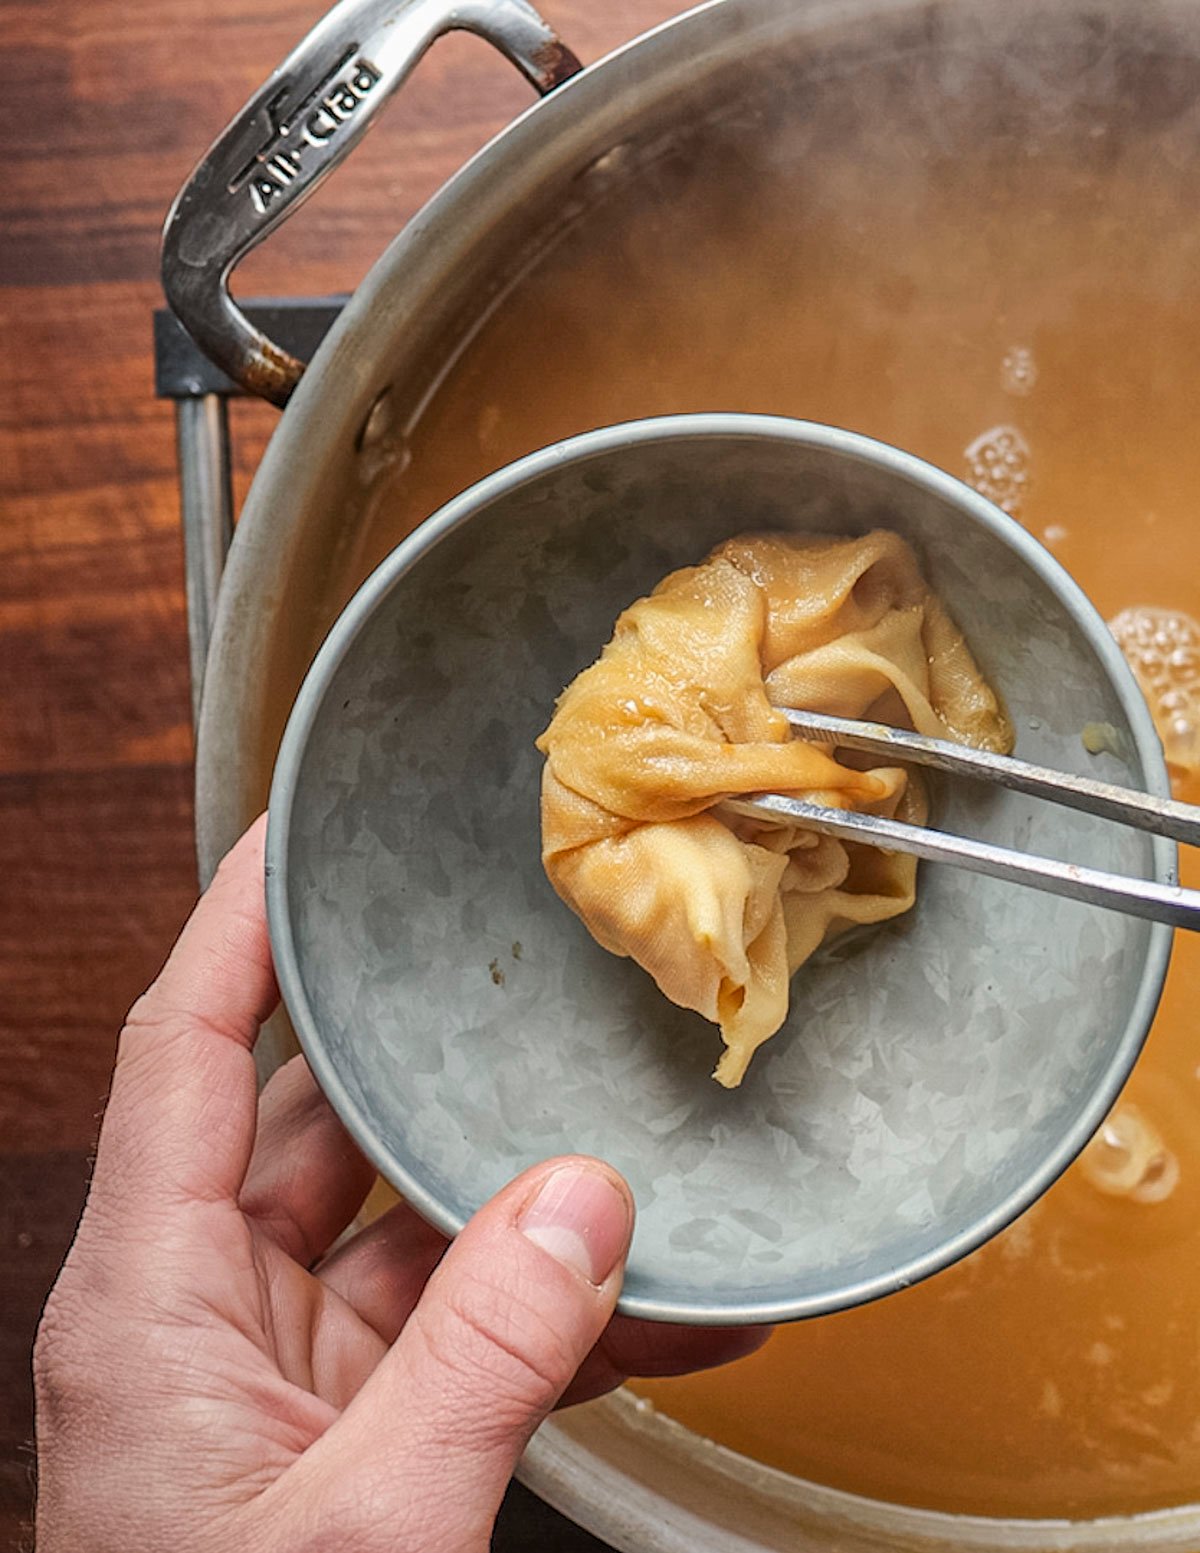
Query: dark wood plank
x: 117, y: 100
x: 40, y: 1199
x: 97, y: 875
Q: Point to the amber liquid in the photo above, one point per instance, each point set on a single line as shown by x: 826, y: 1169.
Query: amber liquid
x: 1050, y: 307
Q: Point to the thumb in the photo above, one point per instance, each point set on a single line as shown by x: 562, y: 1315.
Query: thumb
x: 518, y: 1302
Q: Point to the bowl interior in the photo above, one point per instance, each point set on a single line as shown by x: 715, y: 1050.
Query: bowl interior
x: 933, y: 1076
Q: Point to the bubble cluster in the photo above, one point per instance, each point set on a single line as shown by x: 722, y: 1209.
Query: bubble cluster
x: 1163, y: 649
x: 998, y: 467
x: 1018, y: 371
x: 1128, y: 1158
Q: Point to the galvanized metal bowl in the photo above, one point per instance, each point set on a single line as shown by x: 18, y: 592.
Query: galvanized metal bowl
x: 933, y: 1077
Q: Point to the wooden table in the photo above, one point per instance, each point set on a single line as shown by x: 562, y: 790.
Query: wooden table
x: 109, y: 105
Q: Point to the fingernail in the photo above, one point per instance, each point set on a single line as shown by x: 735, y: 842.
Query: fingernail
x: 582, y: 1218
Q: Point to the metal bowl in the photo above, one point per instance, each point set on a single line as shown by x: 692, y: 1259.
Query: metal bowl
x: 934, y: 1076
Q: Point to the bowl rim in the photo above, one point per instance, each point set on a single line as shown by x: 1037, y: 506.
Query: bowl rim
x: 856, y: 448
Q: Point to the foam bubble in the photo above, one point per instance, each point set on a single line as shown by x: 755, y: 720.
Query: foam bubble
x: 1163, y: 650
x: 1018, y: 371
x: 1128, y: 1158
x: 998, y: 467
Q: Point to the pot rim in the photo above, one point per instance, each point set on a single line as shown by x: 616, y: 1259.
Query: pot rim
x: 565, y: 1471
x: 636, y: 1516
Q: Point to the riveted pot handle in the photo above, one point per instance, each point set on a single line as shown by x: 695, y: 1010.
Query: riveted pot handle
x: 292, y: 133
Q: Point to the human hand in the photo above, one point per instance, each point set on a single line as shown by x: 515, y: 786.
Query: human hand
x: 208, y: 1378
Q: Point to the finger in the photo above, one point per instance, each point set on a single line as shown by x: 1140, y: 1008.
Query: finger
x: 306, y: 1179
x: 517, y: 1303
x: 630, y: 1347
x: 220, y: 974
x: 383, y: 1270
x: 181, y: 1114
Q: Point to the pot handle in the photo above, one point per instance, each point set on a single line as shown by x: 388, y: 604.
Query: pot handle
x: 292, y: 133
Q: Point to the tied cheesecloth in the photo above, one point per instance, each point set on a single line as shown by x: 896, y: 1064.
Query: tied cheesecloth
x: 680, y: 712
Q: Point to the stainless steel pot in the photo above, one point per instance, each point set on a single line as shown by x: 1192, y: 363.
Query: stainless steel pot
x: 614, y: 1466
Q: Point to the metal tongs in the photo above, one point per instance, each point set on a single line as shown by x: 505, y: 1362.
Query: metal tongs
x: 1169, y: 903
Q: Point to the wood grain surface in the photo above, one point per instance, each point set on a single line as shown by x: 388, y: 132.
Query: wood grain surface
x: 110, y: 106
